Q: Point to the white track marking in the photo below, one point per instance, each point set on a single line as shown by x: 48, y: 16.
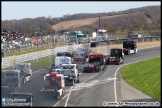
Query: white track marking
x: 68, y: 97
x: 117, y: 71
x: 82, y: 82
x: 60, y: 100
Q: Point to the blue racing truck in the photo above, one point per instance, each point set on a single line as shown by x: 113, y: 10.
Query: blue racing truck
x: 81, y: 37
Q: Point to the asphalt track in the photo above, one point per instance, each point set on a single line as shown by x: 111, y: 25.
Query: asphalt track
x: 94, y: 88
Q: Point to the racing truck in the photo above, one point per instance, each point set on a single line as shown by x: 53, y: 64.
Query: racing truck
x: 71, y: 73
x: 54, y: 84
x: 81, y: 37
x: 59, y: 61
x: 82, y: 53
x: 96, y: 63
x: 99, y: 36
x: 130, y: 47
x: 116, y: 56
x: 29, y: 99
x: 12, y: 80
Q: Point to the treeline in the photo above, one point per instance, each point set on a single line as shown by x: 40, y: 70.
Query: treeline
x: 42, y: 25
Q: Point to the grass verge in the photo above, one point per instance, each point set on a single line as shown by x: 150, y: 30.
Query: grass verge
x: 42, y: 63
x: 144, y: 76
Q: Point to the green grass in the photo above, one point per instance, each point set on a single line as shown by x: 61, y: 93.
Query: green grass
x: 145, y: 76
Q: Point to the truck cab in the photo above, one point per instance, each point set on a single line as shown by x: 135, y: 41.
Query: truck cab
x: 82, y: 53
x: 59, y: 60
x: 80, y: 36
x: 24, y: 66
x: 130, y: 47
x: 12, y: 80
x: 71, y: 72
x: 116, y: 56
x: 54, y: 84
x: 101, y: 33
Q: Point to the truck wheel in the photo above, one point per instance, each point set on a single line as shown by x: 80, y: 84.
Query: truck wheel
x: 62, y: 92
x: 123, y: 61
x: 72, y: 83
x: 23, y: 81
x: 134, y: 51
x: 128, y: 52
x: 58, y: 96
x: 118, y: 62
x: 99, y: 69
x: 78, y: 80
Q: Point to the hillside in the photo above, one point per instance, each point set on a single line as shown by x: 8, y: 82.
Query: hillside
x: 145, y: 18
x: 83, y: 22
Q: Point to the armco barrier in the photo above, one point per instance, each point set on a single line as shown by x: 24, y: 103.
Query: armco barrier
x: 8, y: 61
x: 144, y: 39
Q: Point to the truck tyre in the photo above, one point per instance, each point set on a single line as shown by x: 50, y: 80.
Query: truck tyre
x: 134, y: 51
x: 128, y: 52
x: 78, y: 80
x: 72, y: 82
x: 58, y: 96
x: 23, y: 81
x: 123, y: 61
x: 118, y: 62
x: 62, y: 92
x: 99, y: 69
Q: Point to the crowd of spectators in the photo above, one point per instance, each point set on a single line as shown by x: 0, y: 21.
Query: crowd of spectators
x: 9, y: 35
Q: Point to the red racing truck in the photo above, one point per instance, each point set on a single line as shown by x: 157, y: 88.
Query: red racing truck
x: 96, y: 63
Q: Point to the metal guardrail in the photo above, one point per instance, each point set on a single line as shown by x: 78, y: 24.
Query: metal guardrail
x: 8, y: 61
x: 139, y: 40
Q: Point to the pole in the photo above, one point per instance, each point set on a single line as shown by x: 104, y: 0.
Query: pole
x: 99, y: 23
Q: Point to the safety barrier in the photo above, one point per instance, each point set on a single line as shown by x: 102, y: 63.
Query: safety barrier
x: 8, y: 61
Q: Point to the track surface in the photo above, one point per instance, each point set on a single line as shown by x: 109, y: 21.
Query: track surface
x: 93, y: 89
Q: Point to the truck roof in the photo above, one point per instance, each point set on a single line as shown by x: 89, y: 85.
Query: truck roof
x: 11, y: 71
x: 18, y: 93
x: 116, y: 48
x: 95, y: 54
x: 68, y: 64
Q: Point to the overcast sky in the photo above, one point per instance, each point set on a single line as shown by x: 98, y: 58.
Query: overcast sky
x: 19, y: 10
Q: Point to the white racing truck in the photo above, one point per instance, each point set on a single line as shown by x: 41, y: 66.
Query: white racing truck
x: 59, y: 61
x: 82, y: 53
x: 99, y: 36
x: 13, y: 79
x: 70, y: 73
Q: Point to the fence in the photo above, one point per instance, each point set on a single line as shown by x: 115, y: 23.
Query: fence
x: 37, y: 42
x: 52, y: 40
x: 8, y: 61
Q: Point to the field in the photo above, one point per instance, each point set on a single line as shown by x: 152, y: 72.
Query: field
x: 83, y: 22
x: 144, y: 76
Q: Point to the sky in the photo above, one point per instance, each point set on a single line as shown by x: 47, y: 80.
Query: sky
x: 19, y: 9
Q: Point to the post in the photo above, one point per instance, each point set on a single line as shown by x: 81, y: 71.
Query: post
x: 99, y: 23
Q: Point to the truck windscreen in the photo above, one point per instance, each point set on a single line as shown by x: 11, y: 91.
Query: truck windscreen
x: 9, y: 74
x: 102, y: 33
